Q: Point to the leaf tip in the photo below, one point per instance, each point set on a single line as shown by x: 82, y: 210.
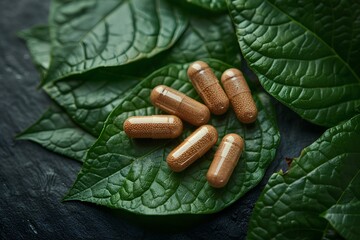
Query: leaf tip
x: 68, y: 197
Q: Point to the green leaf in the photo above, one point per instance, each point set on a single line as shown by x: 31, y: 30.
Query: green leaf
x: 89, y: 34
x: 133, y: 174
x: 326, y: 173
x: 345, y: 218
x: 89, y: 99
x: 213, y: 5
x: 56, y: 132
x: 206, y: 37
x: 305, y: 53
x: 38, y: 42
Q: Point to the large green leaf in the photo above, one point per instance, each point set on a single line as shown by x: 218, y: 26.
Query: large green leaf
x: 133, y: 174
x: 213, y: 5
x: 89, y: 34
x: 56, y: 132
x: 327, y: 173
x: 305, y: 53
x: 345, y: 219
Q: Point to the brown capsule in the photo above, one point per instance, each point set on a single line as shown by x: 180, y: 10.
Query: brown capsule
x: 207, y: 85
x: 192, y: 148
x: 225, y: 160
x: 177, y: 103
x: 239, y: 94
x: 157, y: 126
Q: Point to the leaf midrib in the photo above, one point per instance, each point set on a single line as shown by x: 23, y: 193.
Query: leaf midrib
x: 316, y: 36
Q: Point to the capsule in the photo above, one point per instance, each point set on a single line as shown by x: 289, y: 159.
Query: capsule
x: 225, y: 160
x: 157, y: 126
x: 192, y: 148
x: 207, y: 85
x: 240, y: 96
x: 177, y: 103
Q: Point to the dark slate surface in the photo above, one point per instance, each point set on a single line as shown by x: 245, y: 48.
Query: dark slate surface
x: 33, y: 180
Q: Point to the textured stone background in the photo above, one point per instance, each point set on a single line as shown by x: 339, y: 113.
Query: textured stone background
x: 33, y: 180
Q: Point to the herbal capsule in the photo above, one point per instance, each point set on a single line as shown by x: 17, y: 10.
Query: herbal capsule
x: 192, y: 148
x: 240, y: 95
x: 177, y: 103
x: 208, y: 87
x: 157, y: 126
x: 225, y: 160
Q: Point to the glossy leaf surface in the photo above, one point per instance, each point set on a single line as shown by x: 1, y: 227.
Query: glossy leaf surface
x: 305, y: 53
x: 56, y: 132
x: 89, y: 34
x: 89, y: 100
x: 206, y: 36
x: 345, y: 218
x: 326, y: 174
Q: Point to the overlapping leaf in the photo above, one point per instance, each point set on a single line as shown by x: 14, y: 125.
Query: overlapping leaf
x: 56, y: 132
x: 326, y: 174
x: 89, y: 100
x: 305, y: 53
x: 89, y: 34
x: 133, y: 174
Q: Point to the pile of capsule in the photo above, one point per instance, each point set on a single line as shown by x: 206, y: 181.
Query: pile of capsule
x: 205, y: 137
